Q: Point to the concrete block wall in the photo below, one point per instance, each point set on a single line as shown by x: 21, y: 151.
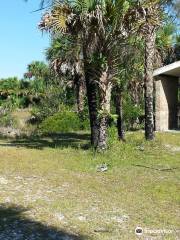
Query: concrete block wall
x: 166, y: 100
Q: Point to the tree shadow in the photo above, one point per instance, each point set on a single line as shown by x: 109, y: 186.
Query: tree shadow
x: 14, y: 225
x: 60, y: 140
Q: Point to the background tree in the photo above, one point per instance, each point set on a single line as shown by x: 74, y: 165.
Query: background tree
x: 66, y: 61
x: 102, y: 28
x: 149, y: 16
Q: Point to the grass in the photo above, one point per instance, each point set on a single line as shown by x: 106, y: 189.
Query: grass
x: 51, y: 187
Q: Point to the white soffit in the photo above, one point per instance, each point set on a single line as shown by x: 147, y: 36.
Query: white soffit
x: 172, y: 69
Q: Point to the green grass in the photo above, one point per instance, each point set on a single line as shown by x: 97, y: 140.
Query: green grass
x: 52, y: 183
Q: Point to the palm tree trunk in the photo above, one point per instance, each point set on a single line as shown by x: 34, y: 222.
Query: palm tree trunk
x: 102, y: 137
x: 105, y: 98
x: 148, y: 83
x: 80, y: 94
x: 80, y: 79
x: 91, y: 88
x: 119, y: 112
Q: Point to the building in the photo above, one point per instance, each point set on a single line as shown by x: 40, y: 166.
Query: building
x: 167, y: 97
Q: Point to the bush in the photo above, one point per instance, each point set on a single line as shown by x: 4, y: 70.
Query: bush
x: 7, y: 121
x: 64, y: 121
x: 11, y: 83
x: 133, y: 115
x: 49, y: 105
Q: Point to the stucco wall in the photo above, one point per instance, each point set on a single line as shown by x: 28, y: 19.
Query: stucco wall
x: 166, y: 99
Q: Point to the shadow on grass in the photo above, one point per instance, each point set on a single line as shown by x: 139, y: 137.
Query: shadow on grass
x: 61, y: 140
x: 14, y: 225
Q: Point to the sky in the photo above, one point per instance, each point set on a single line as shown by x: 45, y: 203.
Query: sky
x: 20, y: 40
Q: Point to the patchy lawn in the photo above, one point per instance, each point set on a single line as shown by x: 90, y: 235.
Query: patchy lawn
x: 50, y: 188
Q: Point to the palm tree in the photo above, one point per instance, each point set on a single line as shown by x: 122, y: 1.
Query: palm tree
x: 39, y: 70
x: 40, y: 76
x: 129, y: 79
x: 152, y: 17
x: 66, y: 59
x: 148, y: 16
x: 101, y: 29
x: 119, y: 111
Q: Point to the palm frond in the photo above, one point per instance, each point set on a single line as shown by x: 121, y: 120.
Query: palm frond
x: 56, y: 19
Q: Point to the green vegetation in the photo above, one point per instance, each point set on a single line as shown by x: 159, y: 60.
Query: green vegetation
x: 58, y: 185
x: 99, y: 61
x: 68, y: 170
x: 62, y: 122
x: 7, y: 121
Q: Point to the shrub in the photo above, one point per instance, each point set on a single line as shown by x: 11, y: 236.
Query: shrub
x: 133, y: 114
x: 7, y: 121
x: 64, y: 121
x: 49, y: 105
x: 11, y: 83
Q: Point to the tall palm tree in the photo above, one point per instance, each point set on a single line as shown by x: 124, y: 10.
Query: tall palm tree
x: 152, y: 17
x: 149, y: 17
x: 103, y: 28
x: 129, y: 79
x: 100, y: 26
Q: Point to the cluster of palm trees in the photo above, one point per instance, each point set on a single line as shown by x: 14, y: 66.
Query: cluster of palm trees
x: 96, y: 44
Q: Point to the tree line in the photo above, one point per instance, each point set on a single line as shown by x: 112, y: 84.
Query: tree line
x: 104, y: 44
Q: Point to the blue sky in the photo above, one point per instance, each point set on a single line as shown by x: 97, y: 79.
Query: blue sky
x: 20, y: 40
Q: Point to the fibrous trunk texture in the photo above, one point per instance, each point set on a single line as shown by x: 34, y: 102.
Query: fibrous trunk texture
x: 105, y: 98
x: 80, y: 80
x: 148, y: 83
x: 80, y: 94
